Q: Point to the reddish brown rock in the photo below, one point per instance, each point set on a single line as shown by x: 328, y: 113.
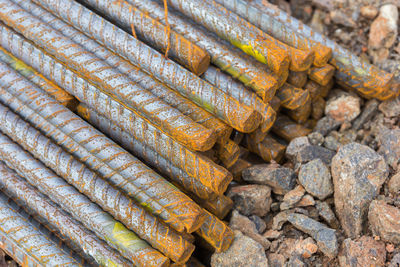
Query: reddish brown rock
x: 385, y: 221
x: 343, y: 107
x: 363, y: 252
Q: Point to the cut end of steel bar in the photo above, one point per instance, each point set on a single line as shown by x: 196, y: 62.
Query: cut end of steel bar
x: 322, y: 54
x: 269, y: 117
x: 292, y: 97
x: 202, y: 142
x: 322, y: 75
x: 301, y: 60
x: 202, y: 65
x: 249, y: 121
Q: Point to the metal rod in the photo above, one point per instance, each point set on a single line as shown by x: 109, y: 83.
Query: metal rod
x: 99, y: 153
x: 17, y: 188
x: 34, y: 247
x: 153, y: 33
x: 150, y: 156
x: 322, y: 75
x: 79, y: 206
x: 110, y: 199
x: 144, y: 80
x: 255, y: 15
x: 288, y: 129
x: 228, y: 58
x: 48, y: 86
x: 186, y: 83
x: 292, y: 97
x: 106, y: 77
x: 297, y: 78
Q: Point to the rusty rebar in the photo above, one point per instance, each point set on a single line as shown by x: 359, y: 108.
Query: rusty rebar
x: 153, y: 33
x: 242, y: 94
x: 257, y: 136
x: 17, y: 188
x: 107, y: 78
x: 31, y: 242
x: 227, y: 153
x: 150, y: 156
x: 297, y: 78
x: 268, y: 149
x: 216, y: 233
x: 116, y: 203
x: 99, y: 153
x: 196, y: 166
x: 144, y: 80
x: 292, y: 97
x: 228, y: 58
x: 350, y: 69
x: 302, y: 113
x: 78, y: 205
x: 238, y: 167
x: 318, y: 108
x: 49, y: 87
x: 188, y: 84
x: 255, y: 15
x: 220, y: 206
x: 316, y: 89
x: 288, y: 129
x: 237, y: 31
x: 322, y: 75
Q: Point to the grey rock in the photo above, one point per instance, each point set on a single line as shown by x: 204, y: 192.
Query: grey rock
x: 310, y: 153
x: 390, y: 146
x: 259, y: 223
x: 368, y: 112
x: 358, y: 173
x: 326, y: 213
x: 390, y: 108
x: 395, y: 262
x: 280, y: 179
x: 331, y: 143
x: 316, y: 179
x: 295, y: 146
x: 276, y: 260
x: 251, y: 199
x: 247, y: 227
x: 295, y: 261
x: 279, y: 220
x: 316, y: 138
x: 384, y: 221
x: 394, y: 184
x: 326, y: 125
x: 325, y: 237
x: 364, y: 251
x: 244, y: 252
x: 272, y: 234
x: 340, y: 18
x: 306, y: 201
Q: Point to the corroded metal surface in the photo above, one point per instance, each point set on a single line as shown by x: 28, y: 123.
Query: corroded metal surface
x: 144, y: 80
x: 188, y: 84
x: 322, y: 75
x: 242, y: 94
x: 195, y: 165
x: 254, y: 14
x: 79, y: 206
x: 153, y: 33
x: 48, y: 86
x: 316, y: 89
x: 113, y: 201
x: 220, y: 206
x: 141, y: 150
x: 292, y: 97
x: 227, y: 57
x: 227, y: 153
x: 106, y: 77
x: 216, y: 233
x: 302, y: 113
x: 32, y: 246
x: 99, y: 153
x: 288, y: 129
x: 17, y: 187
x: 297, y: 78
x: 268, y: 149
x: 350, y: 69
x: 237, y: 31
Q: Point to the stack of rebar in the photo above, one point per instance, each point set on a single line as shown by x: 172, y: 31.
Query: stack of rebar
x: 123, y: 122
